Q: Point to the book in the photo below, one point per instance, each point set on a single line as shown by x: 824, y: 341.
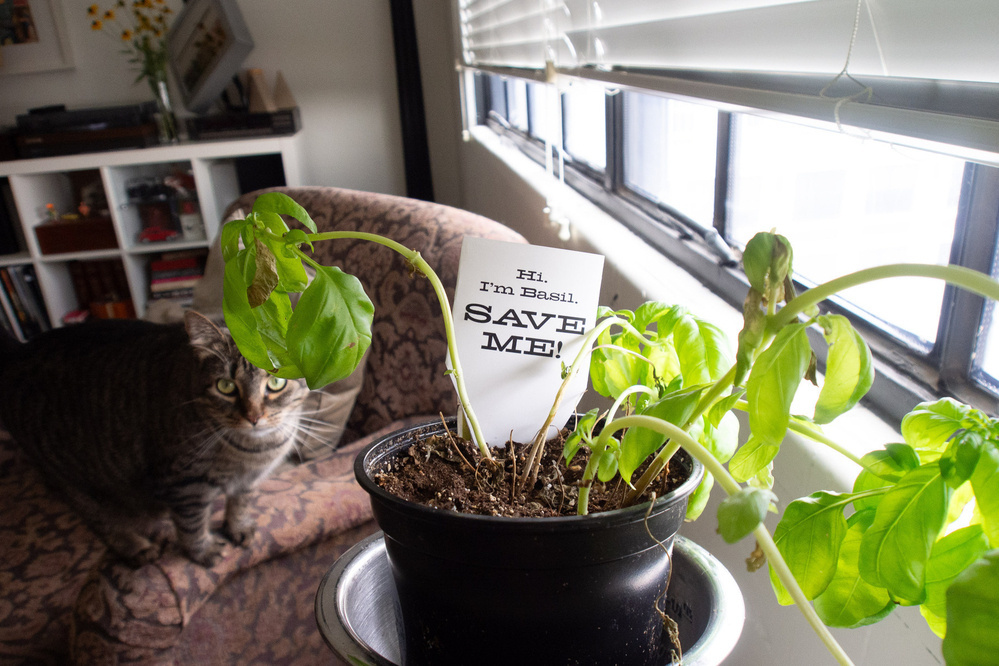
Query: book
x: 171, y: 284
x: 9, y: 221
x: 10, y: 319
x: 26, y: 284
x: 28, y: 327
x: 102, y: 288
x: 169, y: 265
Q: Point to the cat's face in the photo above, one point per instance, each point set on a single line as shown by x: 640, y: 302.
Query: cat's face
x: 260, y: 408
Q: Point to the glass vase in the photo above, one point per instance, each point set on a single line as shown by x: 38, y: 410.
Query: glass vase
x: 166, y: 121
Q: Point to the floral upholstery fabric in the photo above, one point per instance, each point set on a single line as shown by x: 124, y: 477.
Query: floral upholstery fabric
x: 63, y: 600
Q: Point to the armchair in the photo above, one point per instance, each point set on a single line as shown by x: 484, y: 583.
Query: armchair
x: 62, y: 600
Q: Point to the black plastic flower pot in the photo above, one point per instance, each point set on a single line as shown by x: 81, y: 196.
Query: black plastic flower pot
x: 494, y: 590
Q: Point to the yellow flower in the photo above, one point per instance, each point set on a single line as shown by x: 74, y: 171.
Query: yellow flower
x: 92, y: 10
x: 96, y: 25
x: 126, y: 35
x: 109, y: 15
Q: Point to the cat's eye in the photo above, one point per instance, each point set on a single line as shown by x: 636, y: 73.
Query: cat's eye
x: 276, y: 384
x: 225, y: 386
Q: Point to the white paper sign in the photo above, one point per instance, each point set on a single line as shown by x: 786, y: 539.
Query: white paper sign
x: 520, y: 311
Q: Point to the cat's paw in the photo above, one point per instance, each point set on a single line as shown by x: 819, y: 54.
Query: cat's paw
x: 134, y: 549
x: 239, y: 534
x: 208, y: 551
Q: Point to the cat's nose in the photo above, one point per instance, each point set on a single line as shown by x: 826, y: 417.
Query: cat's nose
x: 254, y: 414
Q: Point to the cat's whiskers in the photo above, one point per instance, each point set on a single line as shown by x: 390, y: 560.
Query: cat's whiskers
x: 207, y: 440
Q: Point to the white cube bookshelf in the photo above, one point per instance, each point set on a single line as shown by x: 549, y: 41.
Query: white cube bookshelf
x: 41, y: 181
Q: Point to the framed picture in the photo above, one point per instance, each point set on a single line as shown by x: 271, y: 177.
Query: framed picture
x: 207, y: 44
x: 33, y: 37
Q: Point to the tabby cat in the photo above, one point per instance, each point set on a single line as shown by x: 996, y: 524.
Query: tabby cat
x: 132, y: 421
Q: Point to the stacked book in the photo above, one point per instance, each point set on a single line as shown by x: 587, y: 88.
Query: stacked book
x: 101, y: 290
x: 22, y: 309
x: 175, y: 274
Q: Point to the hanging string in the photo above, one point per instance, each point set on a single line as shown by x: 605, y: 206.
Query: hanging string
x: 867, y: 92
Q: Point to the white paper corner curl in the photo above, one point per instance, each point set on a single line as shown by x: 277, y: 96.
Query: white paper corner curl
x: 520, y: 312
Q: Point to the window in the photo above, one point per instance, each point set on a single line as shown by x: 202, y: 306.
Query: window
x: 706, y: 171
x: 886, y: 204
x: 669, y: 153
x: 584, y: 122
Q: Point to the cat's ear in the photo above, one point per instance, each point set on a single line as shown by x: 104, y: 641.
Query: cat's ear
x: 204, y: 334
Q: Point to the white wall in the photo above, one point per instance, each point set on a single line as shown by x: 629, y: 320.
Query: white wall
x: 336, y: 56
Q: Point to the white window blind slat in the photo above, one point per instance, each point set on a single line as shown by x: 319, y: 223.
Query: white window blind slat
x: 928, y: 39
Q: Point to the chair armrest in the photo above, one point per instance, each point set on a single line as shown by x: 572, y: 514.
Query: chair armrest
x: 129, y: 614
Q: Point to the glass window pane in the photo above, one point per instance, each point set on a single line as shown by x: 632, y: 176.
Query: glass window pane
x: 670, y: 153
x: 986, y: 358
x: 584, y: 118
x: 847, y: 203
x: 539, y: 101
x: 516, y: 98
x: 497, y: 95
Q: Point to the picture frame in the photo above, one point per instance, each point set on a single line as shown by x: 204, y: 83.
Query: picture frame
x: 207, y: 45
x: 48, y: 48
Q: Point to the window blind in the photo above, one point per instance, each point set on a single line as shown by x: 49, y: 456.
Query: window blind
x: 937, y: 57
x: 925, y: 39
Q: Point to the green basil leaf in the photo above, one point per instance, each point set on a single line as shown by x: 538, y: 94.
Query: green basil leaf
x: 229, y: 237
x: 883, y: 469
x: 613, y: 371
x: 751, y: 457
x: 972, y: 600
x: 582, y: 432
x: 894, y: 551
x: 724, y: 406
x: 239, y: 317
x: 608, y: 463
x: 773, y: 382
x: 930, y: 425
x: 849, y: 600
x: 640, y: 443
x: 662, y: 314
x: 849, y: 369
x: 281, y: 204
x: 698, y: 499
x: 331, y: 327
x: 703, y: 350
x: 272, y: 222
x: 721, y: 440
x: 809, y: 537
x: 272, y: 324
x: 740, y: 513
x: 950, y: 556
x: 985, y: 482
x: 297, y: 237
x: 961, y: 456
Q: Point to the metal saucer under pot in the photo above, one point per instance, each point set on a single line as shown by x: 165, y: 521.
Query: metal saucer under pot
x: 357, y: 609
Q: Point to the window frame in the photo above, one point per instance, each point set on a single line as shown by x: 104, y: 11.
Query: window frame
x: 905, y: 375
